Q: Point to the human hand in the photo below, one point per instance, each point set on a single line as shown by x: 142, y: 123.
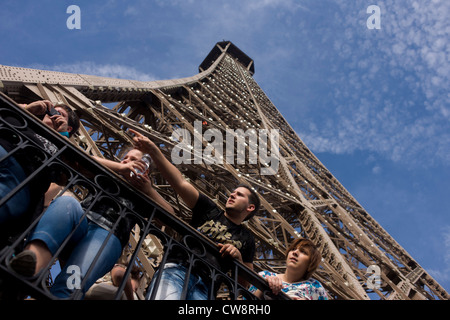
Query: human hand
x: 141, y: 142
x: 228, y: 249
x: 140, y: 181
x: 128, y: 169
x: 275, y: 283
x: 39, y: 107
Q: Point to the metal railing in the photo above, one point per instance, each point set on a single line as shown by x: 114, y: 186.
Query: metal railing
x: 78, y: 172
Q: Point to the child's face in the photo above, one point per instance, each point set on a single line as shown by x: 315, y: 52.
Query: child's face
x: 132, y: 155
x: 298, y: 260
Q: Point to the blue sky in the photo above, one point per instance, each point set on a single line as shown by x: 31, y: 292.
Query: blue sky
x: 372, y: 104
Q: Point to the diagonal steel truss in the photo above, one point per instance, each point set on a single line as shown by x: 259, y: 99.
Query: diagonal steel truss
x: 301, y: 198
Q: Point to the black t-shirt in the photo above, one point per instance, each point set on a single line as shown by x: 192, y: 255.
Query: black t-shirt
x: 209, y: 220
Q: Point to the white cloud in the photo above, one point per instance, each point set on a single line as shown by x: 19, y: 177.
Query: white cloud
x: 131, y: 11
x: 376, y: 169
x: 270, y: 4
x: 390, y: 90
x: 101, y: 70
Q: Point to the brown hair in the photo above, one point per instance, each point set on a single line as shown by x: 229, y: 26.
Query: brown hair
x: 73, y: 119
x: 314, y: 254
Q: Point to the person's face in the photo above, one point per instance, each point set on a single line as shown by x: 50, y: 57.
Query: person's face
x: 298, y: 260
x: 132, y: 155
x: 58, y: 122
x: 238, y: 201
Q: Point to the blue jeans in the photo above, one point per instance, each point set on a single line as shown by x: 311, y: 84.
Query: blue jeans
x: 61, y: 217
x: 11, y: 175
x: 172, y: 281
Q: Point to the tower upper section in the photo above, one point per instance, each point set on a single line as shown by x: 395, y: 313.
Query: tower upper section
x: 231, y: 49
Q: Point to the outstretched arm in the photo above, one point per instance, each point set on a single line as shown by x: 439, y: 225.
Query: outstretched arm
x: 141, y: 182
x: 124, y: 169
x: 187, y: 192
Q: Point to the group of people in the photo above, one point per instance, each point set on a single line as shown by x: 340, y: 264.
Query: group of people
x: 89, y: 230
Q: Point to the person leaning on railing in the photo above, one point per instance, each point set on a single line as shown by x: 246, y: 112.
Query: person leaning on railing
x: 302, y: 260
x: 65, y: 214
x: 57, y: 116
x: 224, y: 228
x: 28, y: 202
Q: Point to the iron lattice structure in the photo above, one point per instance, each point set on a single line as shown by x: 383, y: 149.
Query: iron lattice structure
x: 301, y: 199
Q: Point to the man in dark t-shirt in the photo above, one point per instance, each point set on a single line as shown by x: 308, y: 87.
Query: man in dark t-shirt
x: 209, y: 220
x: 223, y: 227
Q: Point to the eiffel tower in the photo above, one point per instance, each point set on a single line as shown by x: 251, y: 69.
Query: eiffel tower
x: 300, y: 197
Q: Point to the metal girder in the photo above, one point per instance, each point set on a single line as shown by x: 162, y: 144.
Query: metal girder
x: 301, y: 198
